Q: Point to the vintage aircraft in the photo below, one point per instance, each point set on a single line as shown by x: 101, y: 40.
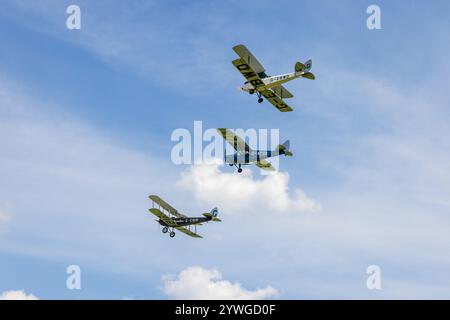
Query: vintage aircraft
x: 244, y: 155
x: 175, y: 220
x: 269, y: 87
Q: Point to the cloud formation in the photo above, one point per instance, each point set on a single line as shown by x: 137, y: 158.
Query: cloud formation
x: 242, y: 192
x: 375, y: 149
x: 17, y: 295
x: 196, y: 283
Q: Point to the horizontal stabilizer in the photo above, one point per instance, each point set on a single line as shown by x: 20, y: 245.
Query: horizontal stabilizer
x: 309, y: 75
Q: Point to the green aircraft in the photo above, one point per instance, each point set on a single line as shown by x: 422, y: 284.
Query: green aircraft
x: 171, y: 219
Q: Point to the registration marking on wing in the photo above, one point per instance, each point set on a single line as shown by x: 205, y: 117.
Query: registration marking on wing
x: 276, y: 101
x: 249, y: 74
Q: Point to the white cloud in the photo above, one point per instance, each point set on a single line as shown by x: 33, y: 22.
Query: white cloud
x: 241, y: 192
x: 17, y: 295
x: 197, y: 283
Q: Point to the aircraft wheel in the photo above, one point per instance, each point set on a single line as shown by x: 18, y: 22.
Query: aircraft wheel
x: 231, y: 164
x: 165, y: 229
x: 172, y: 234
x: 251, y: 91
x: 260, y: 100
x: 240, y: 170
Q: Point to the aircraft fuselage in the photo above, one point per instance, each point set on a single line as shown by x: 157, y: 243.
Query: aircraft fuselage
x: 245, y: 157
x: 185, y: 221
x: 270, y: 82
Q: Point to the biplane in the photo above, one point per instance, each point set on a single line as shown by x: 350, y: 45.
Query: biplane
x: 269, y: 87
x: 170, y: 219
x: 245, y: 155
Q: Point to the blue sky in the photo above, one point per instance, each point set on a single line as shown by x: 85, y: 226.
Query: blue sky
x: 85, y: 123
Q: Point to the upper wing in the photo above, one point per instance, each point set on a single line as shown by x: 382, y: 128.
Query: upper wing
x: 275, y: 100
x: 188, y: 232
x: 249, y: 58
x: 266, y: 165
x: 166, y: 206
x: 234, y: 140
x: 282, y: 92
x: 251, y: 75
x: 163, y: 217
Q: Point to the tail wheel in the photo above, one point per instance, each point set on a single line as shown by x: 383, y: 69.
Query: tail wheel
x: 172, y: 234
x: 165, y: 229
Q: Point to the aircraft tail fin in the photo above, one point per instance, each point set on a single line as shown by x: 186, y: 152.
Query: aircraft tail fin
x: 303, y: 69
x: 284, y: 149
x: 213, y: 215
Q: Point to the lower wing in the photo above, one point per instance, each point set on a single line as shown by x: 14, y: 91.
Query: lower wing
x: 282, y: 92
x: 265, y: 165
x: 276, y: 100
x: 163, y: 217
x: 188, y: 232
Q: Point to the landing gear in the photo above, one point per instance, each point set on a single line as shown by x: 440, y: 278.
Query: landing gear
x: 166, y: 229
x: 238, y: 166
x: 260, y: 99
x: 251, y: 91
